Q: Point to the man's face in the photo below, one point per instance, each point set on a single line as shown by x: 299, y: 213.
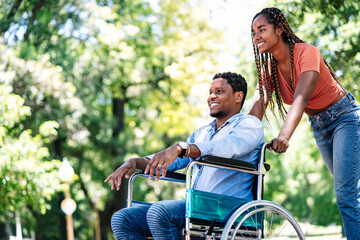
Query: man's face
x: 223, y: 101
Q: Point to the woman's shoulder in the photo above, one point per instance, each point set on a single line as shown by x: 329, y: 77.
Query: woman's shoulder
x: 306, y: 50
x: 305, y: 47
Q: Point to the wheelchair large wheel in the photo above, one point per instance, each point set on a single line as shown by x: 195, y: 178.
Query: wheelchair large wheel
x: 262, y: 220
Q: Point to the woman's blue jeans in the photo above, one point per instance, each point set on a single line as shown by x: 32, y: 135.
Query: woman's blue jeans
x: 163, y: 220
x: 337, y: 134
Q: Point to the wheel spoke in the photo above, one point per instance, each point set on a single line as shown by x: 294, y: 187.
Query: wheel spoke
x: 279, y: 227
x: 259, y: 220
x: 270, y: 226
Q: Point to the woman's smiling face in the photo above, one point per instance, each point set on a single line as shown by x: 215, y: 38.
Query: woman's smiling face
x: 264, y: 34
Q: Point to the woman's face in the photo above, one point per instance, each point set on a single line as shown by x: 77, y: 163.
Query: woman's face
x: 266, y: 37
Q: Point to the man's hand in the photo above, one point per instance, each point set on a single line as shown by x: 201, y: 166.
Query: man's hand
x: 127, y: 168
x: 162, y: 160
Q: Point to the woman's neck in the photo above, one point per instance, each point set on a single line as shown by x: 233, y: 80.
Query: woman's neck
x: 282, y: 53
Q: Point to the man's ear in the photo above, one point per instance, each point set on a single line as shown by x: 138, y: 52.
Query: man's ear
x: 239, y: 96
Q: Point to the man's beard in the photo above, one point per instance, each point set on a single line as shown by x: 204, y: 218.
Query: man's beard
x: 218, y: 114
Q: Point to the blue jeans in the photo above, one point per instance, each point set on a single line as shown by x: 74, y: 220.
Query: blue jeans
x: 162, y: 220
x: 337, y: 135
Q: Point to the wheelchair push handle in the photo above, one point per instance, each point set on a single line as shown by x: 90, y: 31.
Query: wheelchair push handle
x: 262, y: 155
x: 267, y: 144
x: 263, y: 150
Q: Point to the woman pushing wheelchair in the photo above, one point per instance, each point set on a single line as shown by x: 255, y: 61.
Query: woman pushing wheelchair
x: 300, y: 77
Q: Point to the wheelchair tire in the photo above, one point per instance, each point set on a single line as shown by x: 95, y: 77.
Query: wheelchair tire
x: 262, y: 219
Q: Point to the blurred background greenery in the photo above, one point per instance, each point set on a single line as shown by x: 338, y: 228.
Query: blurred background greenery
x: 99, y: 81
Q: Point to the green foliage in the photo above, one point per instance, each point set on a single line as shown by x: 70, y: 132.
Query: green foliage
x: 29, y: 174
x: 12, y: 109
x: 27, y: 177
x: 121, y: 78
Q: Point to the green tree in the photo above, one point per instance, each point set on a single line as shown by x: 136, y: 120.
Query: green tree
x: 139, y: 70
x: 156, y: 56
x: 51, y: 104
x: 29, y: 176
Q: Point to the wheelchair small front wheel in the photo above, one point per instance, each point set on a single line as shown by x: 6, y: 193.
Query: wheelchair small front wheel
x: 262, y: 220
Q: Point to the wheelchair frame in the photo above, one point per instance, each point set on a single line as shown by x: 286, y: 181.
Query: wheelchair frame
x: 233, y: 226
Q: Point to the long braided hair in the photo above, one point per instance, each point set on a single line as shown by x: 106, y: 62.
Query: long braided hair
x: 275, y: 16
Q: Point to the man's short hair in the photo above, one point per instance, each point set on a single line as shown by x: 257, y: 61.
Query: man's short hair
x: 236, y: 81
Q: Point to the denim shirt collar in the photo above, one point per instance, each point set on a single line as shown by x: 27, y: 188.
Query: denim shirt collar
x: 229, y: 121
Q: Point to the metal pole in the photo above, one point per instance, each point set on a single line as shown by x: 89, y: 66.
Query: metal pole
x: 97, y: 224
x: 18, y: 226
x: 69, y: 227
x: 69, y: 219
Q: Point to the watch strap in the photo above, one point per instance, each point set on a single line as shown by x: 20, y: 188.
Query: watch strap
x: 183, y: 152
x: 184, y: 149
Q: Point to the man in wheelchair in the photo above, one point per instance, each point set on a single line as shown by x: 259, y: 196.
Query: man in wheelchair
x: 231, y: 135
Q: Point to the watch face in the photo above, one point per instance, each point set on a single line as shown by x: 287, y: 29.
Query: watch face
x: 183, y: 145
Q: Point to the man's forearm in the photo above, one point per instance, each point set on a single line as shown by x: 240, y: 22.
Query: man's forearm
x: 141, y: 163
x: 194, y: 151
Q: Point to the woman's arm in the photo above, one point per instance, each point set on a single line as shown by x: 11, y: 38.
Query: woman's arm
x: 303, y: 92
x: 255, y: 109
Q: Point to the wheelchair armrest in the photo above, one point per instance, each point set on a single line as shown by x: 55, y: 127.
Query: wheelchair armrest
x: 228, y: 162
x: 170, y: 176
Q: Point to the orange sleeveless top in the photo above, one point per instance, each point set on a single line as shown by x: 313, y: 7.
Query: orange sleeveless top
x: 308, y: 58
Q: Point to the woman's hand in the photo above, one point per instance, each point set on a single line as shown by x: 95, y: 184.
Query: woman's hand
x: 279, y: 144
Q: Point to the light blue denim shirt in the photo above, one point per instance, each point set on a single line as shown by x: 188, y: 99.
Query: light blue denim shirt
x: 240, y: 137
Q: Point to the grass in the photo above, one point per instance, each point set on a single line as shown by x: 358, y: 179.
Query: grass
x: 313, y: 232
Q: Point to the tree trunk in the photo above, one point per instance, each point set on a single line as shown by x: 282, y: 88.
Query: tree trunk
x: 36, y: 8
x: 118, y: 113
x: 115, y: 204
x: 120, y: 197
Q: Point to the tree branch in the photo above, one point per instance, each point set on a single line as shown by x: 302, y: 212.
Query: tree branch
x: 4, y: 25
x: 34, y: 11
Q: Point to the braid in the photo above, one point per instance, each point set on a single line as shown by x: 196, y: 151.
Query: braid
x: 333, y: 74
x: 267, y: 79
x: 279, y: 102
x: 292, y: 64
x: 275, y: 16
x: 260, y: 85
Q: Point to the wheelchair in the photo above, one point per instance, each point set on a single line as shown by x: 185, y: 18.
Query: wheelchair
x: 216, y: 216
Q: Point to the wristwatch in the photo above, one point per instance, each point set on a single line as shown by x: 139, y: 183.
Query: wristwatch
x: 185, y: 147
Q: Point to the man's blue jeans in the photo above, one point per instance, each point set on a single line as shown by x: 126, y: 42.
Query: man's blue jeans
x: 163, y: 220
x: 337, y: 134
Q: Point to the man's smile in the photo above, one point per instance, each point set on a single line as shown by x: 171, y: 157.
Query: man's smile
x: 213, y: 104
